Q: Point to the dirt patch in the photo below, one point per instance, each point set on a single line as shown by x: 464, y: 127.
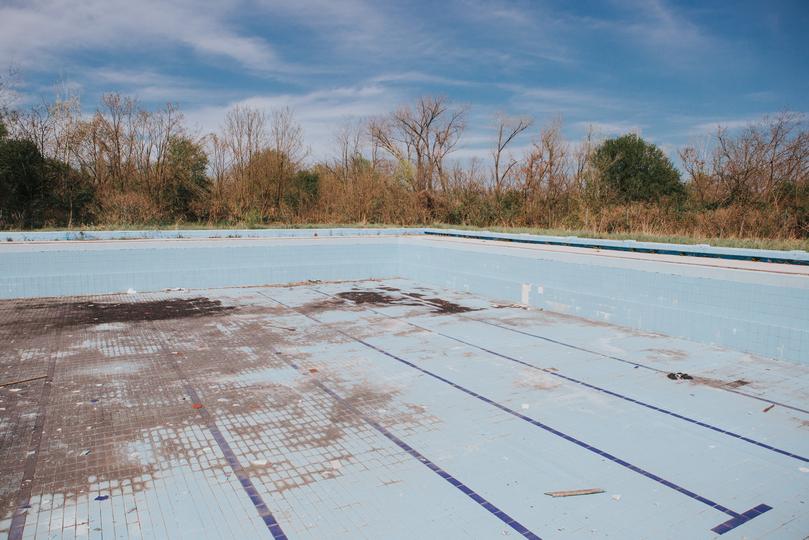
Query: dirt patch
x: 381, y: 296
x: 719, y: 383
x: 537, y: 380
x: 363, y: 398
x: 46, y: 316
x: 413, y: 299
x: 445, y: 306
x: 317, y: 306
x: 373, y: 297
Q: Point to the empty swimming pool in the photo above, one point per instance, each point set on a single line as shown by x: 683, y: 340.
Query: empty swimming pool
x: 398, y: 386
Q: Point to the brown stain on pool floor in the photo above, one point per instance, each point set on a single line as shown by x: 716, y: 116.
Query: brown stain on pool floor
x: 438, y: 306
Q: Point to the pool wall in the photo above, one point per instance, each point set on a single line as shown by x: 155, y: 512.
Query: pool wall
x: 107, y: 267
x: 758, y: 312
x: 765, y: 313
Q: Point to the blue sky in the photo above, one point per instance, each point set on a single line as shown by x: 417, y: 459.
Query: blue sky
x: 669, y: 70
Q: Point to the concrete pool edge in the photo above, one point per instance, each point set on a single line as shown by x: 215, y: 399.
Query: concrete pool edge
x: 798, y: 257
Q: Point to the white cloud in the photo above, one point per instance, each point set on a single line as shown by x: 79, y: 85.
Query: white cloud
x: 536, y: 99
x: 37, y: 34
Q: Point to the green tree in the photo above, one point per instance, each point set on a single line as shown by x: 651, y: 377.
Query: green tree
x: 634, y: 170
x: 72, y: 195
x: 23, y: 184
x: 303, y: 191
x: 187, y: 183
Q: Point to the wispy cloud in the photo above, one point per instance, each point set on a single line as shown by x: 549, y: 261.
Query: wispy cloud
x: 38, y: 34
x: 622, y: 65
x: 544, y: 99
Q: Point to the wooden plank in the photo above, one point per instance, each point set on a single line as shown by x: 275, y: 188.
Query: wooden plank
x: 574, y: 492
x: 9, y: 383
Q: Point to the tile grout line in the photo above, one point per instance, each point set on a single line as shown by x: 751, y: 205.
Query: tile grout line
x: 618, y: 359
x: 230, y: 457
x: 587, y: 385
x: 20, y: 516
x: 736, y: 518
x: 491, y: 508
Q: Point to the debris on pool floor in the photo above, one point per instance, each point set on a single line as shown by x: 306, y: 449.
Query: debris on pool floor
x: 384, y: 408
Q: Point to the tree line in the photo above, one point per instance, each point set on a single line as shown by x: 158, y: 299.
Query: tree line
x: 129, y: 165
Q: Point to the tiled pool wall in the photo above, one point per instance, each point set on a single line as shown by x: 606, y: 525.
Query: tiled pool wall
x: 758, y: 312
x: 162, y: 234
x: 100, y: 268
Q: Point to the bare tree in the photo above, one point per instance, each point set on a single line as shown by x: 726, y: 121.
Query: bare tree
x: 245, y: 136
x: 545, y: 173
x: 119, y: 129
x: 422, y: 136
x: 508, y: 129
x: 8, y: 82
x: 349, y: 144
x: 219, y: 165
x: 245, y: 131
x: 288, y: 145
x: 695, y: 161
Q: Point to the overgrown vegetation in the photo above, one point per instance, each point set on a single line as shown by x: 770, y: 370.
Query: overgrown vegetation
x: 126, y: 165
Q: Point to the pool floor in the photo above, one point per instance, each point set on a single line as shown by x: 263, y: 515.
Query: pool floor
x: 384, y: 409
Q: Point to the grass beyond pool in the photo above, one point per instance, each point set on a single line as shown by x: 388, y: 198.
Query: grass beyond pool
x: 384, y: 409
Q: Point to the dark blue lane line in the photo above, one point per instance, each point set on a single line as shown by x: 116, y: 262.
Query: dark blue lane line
x: 635, y: 249
x: 630, y: 362
x: 591, y: 386
x: 466, y: 490
x: 739, y: 518
x: 17, y: 527
x: 233, y: 461
x: 625, y: 361
x: 734, y: 522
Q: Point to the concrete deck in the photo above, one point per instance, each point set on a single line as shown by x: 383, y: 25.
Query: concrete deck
x: 384, y: 408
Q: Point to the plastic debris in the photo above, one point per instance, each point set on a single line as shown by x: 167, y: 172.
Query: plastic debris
x: 769, y: 408
x: 679, y: 376
x: 259, y: 462
x: 130, y: 290
x: 616, y: 498
x: 803, y: 469
x: 312, y: 370
x: 102, y: 497
x: 574, y: 492
x: 526, y: 406
x: 196, y: 406
x: 85, y: 452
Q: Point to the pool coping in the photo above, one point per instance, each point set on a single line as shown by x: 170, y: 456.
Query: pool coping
x: 796, y: 257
